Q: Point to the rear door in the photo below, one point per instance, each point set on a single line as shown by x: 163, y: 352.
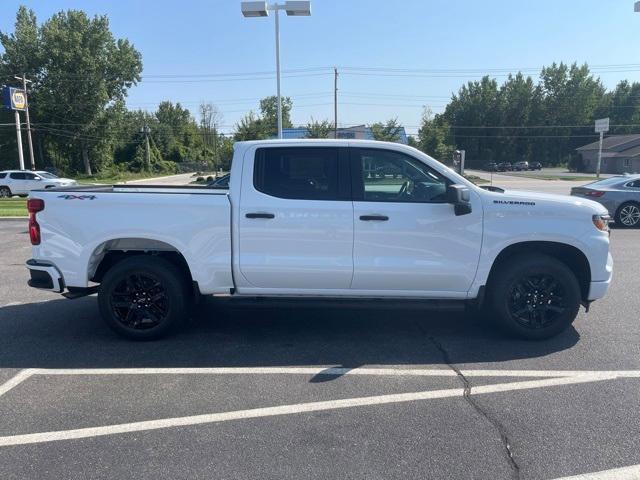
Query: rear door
x: 407, y: 239
x: 296, y: 219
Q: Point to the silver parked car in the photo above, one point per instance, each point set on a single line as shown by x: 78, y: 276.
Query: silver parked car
x: 620, y: 195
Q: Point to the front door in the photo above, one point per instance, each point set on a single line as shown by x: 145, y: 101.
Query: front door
x: 296, y: 219
x: 407, y: 239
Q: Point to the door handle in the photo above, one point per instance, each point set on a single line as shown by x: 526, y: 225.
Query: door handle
x: 374, y: 218
x: 260, y: 215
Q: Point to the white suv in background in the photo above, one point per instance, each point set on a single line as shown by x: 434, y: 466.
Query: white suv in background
x: 21, y: 182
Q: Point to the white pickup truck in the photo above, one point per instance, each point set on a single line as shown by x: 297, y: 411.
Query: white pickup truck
x: 322, y: 218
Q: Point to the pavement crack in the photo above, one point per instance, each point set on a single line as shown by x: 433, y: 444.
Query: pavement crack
x: 500, y: 429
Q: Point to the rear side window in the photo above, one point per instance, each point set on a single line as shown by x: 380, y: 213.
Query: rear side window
x: 306, y: 173
x: 2, y: 175
x: 17, y: 175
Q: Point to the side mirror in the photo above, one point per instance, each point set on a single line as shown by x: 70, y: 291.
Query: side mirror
x: 460, y: 197
x: 38, y: 178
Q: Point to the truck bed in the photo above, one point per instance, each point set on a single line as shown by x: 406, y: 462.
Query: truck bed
x: 80, y: 224
x: 134, y: 188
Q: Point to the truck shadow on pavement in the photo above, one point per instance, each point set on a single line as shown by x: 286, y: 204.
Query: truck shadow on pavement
x: 70, y: 334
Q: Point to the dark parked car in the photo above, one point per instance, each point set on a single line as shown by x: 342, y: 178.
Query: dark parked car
x: 504, y: 167
x: 491, y: 167
x: 220, y: 182
x: 535, y: 166
x: 521, y: 166
x: 620, y: 195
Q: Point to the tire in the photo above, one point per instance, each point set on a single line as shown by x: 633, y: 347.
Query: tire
x: 5, y: 192
x: 534, y: 296
x: 628, y: 215
x: 144, y: 297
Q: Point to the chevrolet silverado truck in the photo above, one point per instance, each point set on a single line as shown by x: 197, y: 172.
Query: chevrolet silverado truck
x: 322, y: 218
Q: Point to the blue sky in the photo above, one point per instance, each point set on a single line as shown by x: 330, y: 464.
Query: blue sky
x: 463, y: 37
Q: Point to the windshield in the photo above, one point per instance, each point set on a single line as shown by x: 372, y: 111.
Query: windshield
x: 46, y: 175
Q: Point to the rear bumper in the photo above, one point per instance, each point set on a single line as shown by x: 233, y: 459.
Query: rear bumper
x: 44, y: 276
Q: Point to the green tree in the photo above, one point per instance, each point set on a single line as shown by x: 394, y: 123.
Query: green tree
x: 319, y: 129
x: 434, y: 137
x: 269, y: 113
x: 388, y: 131
x: 250, y: 127
x: 571, y: 97
x: 79, y: 69
x: 622, y: 106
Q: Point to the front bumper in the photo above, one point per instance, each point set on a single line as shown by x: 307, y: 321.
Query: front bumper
x: 45, y: 276
x: 599, y: 289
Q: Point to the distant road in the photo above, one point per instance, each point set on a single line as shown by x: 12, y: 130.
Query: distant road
x: 515, y: 182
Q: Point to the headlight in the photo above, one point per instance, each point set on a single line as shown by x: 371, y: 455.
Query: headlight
x: 601, y: 222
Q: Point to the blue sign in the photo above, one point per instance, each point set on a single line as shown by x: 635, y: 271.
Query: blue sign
x: 13, y: 98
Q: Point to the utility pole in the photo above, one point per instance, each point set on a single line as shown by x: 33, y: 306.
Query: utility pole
x: 26, y: 108
x: 145, y: 130
x: 215, y: 146
x: 335, y: 102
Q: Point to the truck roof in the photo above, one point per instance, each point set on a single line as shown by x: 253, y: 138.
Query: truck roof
x: 325, y: 141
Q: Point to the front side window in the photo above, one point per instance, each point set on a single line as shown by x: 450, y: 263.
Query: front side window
x: 297, y: 173
x: 30, y: 176
x: 47, y: 175
x: 389, y: 176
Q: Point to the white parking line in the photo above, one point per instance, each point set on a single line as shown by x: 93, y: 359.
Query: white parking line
x: 429, y: 372
x: 16, y: 380
x: 291, y: 409
x: 337, y: 371
x: 625, y: 473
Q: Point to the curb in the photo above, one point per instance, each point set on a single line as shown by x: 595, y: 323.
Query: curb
x: 13, y: 218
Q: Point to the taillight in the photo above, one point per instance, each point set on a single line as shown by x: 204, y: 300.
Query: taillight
x: 34, y: 205
x: 593, y: 193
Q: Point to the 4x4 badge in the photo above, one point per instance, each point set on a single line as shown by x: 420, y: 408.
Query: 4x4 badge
x: 77, y: 197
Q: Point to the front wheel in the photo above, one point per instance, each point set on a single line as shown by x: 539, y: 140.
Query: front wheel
x: 628, y: 215
x: 143, y: 297
x: 534, y: 296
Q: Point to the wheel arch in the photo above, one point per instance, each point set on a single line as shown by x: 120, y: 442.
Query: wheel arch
x: 110, y: 252
x: 570, y: 255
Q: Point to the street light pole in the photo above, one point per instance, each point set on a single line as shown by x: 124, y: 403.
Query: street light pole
x: 262, y: 9
x: 278, y: 70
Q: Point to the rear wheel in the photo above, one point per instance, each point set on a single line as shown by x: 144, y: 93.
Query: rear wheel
x: 534, y: 296
x: 143, y: 297
x: 5, y: 192
x: 628, y: 215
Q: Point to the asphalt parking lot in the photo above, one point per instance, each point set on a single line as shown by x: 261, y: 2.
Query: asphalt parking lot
x: 280, y: 390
